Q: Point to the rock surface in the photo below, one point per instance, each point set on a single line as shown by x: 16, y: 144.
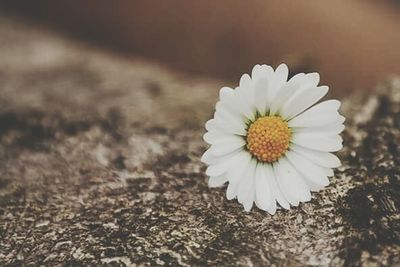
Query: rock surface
x: 99, y: 164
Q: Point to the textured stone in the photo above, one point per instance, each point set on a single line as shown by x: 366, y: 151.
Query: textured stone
x: 99, y: 164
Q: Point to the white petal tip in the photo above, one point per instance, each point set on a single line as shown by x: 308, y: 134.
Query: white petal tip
x: 285, y: 206
x: 230, y: 194
x: 248, y: 208
x: 224, y: 91
x: 338, y: 164
x: 282, y: 66
x: 271, y: 212
x: 214, y: 182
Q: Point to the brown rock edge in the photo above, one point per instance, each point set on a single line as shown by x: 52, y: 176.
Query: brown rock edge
x: 99, y: 165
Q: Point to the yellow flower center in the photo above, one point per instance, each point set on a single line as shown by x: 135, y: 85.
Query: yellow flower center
x: 268, y: 138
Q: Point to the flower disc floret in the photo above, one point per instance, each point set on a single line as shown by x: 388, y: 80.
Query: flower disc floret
x: 268, y: 138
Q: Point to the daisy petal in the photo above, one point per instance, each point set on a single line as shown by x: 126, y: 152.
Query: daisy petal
x: 305, y: 81
x: 245, y: 81
x: 217, y: 181
x: 229, y: 101
x: 212, y: 126
x: 286, y: 192
x: 312, y: 79
x: 281, y: 74
x: 249, y: 200
x: 324, y: 159
x: 282, y: 95
x: 308, y: 169
x: 326, y: 130
x: 261, y: 77
x: 236, y: 172
x: 261, y: 95
x: 244, y: 99
x: 231, y: 191
x: 209, y: 158
x: 303, y: 100
x: 328, y: 171
x: 223, y: 148
x: 216, y: 125
x: 256, y: 72
x: 321, y: 114
x: 229, y: 127
x: 277, y: 192
x: 266, y: 71
x: 291, y: 183
x: 261, y: 72
x: 246, y: 190
x: 219, y: 168
x: 212, y: 137
x: 316, y: 142
x: 224, y: 114
x: 264, y: 197
x: 298, y: 78
x: 216, y: 138
x: 226, y: 92
x: 246, y: 182
x: 224, y: 165
x: 277, y: 81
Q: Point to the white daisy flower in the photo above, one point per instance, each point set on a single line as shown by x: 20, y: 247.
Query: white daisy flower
x: 270, y: 140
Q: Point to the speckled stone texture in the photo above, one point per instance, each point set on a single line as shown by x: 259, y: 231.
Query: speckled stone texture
x: 99, y: 165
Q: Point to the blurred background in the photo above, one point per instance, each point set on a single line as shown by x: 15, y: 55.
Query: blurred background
x: 353, y: 44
